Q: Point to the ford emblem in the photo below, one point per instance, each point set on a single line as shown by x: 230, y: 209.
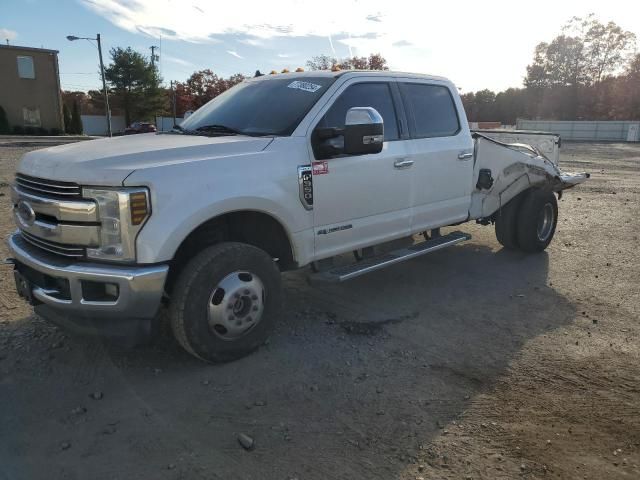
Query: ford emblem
x: 26, y: 213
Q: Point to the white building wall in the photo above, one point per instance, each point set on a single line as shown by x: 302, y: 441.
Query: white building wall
x: 608, y: 131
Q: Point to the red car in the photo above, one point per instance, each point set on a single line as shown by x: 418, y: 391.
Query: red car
x: 140, y: 127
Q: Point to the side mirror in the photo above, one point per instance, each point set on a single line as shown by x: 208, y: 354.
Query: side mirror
x: 363, y: 131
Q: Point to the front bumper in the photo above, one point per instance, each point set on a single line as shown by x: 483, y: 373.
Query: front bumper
x: 62, y: 285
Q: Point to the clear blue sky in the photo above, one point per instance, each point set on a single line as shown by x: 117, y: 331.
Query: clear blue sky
x: 478, y: 44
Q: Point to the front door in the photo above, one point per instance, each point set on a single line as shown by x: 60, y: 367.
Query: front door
x: 361, y: 200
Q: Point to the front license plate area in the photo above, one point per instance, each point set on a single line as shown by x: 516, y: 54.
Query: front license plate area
x: 24, y: 287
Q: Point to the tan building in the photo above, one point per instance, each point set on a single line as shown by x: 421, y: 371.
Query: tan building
x: 30, y: 87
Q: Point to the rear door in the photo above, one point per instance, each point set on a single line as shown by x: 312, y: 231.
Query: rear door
x: 361, y: 200
x: 441, y: 148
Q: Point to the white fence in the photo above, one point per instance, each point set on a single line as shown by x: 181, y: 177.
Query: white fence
x: 608, y: 131
x: 97, y: 124
x: 164, y: 124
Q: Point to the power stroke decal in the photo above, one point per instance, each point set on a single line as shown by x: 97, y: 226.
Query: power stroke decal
x: 320, y: 168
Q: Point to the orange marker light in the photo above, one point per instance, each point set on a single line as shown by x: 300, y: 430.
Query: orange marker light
x: 139, y: 207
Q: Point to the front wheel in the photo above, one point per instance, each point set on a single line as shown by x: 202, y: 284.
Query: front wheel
x: 225, y: 302
x: 537, y: 219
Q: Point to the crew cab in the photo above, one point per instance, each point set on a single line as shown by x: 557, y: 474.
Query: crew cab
x: 279, y: 172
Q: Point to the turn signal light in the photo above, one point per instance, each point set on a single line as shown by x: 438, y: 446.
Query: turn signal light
x: 139, y: 207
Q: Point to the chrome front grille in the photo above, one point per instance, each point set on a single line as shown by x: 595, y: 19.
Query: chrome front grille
x: 53, y: 216
x: 52, y: 247
x: 54, y: 188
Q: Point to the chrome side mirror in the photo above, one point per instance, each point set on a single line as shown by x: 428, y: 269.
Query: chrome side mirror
x: 363, y: 131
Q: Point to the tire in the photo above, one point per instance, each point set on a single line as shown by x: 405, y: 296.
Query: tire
x: 507, y: 223
x: 537, y: 219
x: 225, y: 302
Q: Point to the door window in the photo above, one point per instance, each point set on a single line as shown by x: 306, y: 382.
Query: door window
x: 430, y: 109
x: 368, y: 94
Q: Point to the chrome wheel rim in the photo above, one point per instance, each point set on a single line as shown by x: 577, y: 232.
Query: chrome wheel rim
x: 545, y: 222
x: 236, y: 305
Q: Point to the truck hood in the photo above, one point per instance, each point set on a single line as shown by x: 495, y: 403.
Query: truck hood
x: 109, y: 161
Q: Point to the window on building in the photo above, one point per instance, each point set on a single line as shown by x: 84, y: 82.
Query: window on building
x: 31, y: 117
x: 25, y: 67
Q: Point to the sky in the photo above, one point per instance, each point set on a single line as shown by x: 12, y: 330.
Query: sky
x: 478, y: 45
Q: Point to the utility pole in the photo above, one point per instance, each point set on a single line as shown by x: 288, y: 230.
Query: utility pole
x: 154, y: 57
x: 104, y: 86
x: 173, y: 90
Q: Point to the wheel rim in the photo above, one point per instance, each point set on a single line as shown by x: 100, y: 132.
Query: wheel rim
x: 545, y: 222
x: 236, y: 305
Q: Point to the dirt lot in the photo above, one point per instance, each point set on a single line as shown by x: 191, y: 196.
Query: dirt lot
x: 472, y: 362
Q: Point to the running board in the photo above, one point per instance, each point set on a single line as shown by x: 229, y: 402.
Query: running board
x: 340, y: 274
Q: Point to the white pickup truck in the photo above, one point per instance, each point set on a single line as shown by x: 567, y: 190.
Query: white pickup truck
x: 279, y: 172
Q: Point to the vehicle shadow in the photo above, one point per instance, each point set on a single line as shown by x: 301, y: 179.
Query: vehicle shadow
x: 356, y: 379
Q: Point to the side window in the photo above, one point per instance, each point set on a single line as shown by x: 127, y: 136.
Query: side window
x: 376, y: 95
x: 430, y: 109
x: 25, y: 67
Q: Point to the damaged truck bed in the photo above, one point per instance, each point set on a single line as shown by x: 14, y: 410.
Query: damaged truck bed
x: 503, y: 170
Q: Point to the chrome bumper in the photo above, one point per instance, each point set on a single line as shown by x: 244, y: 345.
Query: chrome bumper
x: 140, y: 288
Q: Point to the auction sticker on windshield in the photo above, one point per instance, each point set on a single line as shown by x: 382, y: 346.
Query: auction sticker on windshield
x: 306, y: 86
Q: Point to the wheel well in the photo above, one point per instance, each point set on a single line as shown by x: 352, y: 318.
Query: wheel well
x: 254, y: 228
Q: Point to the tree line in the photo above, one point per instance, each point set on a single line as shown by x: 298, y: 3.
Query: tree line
x: 591, y: 71
x: 136, y: 91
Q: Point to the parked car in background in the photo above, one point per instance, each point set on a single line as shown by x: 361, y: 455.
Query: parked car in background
x: 140, y: 127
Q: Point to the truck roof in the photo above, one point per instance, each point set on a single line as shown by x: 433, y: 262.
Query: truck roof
x: 354, y: 73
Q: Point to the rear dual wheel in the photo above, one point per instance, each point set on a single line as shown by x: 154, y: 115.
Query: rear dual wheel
x: 528, y: 222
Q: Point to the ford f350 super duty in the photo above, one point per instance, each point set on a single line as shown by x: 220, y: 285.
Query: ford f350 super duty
x: 277, y: 173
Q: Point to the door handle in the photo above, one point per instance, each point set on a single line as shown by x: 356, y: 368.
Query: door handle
x: 402, y: 163
x: 465, y: 155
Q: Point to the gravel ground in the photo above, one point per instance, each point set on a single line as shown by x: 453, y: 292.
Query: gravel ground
x: 472, y: 362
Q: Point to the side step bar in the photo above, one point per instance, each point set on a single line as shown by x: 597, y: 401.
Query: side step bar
x: 340, y: 274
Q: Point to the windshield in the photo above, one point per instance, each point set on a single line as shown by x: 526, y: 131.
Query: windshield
x: 264, y: 107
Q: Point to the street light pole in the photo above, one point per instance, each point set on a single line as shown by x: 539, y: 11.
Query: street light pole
x: 71, y: 38
x: 104, y: 87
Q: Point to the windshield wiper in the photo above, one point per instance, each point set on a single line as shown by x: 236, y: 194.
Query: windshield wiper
x: 222, y: 129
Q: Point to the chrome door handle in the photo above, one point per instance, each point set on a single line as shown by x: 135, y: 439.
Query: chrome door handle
x: 465, y: 155
x: 402, y: 163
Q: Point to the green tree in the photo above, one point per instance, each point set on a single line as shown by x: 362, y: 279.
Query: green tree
x: 374, y: 61
x: 606, y: 47
x: 76, y: 119
x: 322, y: 62
x: 66, y: 114
x: 5, y: 129
x: 135, y: 85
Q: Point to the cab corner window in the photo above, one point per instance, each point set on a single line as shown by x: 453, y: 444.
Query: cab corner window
x: 430, y: 109
x: 368, y: 94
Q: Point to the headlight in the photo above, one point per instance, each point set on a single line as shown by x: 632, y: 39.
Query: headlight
x: 122, y: 213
